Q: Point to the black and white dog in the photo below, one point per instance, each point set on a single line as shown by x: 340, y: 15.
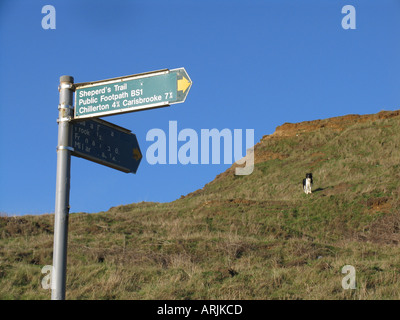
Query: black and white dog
x: 307, y: 183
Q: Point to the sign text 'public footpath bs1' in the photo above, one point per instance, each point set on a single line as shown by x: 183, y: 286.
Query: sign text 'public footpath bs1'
x: 107, y: 144
x: 131, y: 93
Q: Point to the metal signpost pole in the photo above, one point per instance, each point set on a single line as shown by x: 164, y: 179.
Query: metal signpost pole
x: 62, y: 189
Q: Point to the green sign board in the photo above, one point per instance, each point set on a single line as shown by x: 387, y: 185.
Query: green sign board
x: 106, y: 143
x: 131, y: 93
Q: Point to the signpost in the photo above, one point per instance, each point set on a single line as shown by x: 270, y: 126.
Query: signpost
x: 107, y: 144
x: 131, y: 93
x: 81, y: 134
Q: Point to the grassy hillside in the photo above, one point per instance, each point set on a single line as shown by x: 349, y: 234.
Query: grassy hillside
x: 240, y: 237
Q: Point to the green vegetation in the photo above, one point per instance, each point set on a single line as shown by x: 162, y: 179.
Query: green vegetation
x: 240, y: 237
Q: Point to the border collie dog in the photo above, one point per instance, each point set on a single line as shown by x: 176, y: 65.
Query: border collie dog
x: 307, y: 183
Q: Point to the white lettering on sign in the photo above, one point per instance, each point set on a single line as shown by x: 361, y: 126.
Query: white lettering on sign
x: 88, y: 101
x: 87, y: 105
x: 114, y: 96
x: 120, y: 95
x: 136, y: 93
x: 120, y: 87
x: 92, y: 141
x: 154, y: 98
x: 91, y: 92
x: 94, y: 108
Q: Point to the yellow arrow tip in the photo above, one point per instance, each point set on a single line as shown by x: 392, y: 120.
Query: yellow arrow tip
x: 136, y: 154
x: 183, y: 84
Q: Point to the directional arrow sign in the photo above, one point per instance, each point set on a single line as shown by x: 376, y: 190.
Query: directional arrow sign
x: 106, y: 143
x: 131, y: 93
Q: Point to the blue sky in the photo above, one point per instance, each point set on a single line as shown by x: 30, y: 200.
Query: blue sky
x: 254, y: 65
